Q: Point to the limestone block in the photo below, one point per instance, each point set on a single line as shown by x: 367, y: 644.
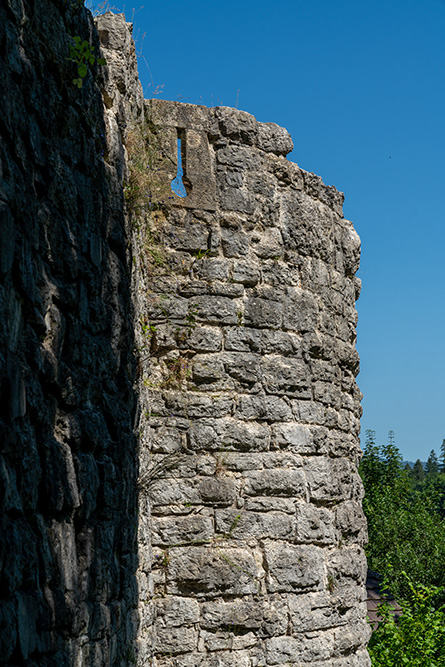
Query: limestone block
x: 351, y: 522
x: 64, y: 547
x: 226, y: 434
x: 167, y: 307
x: 296, y: 437
x: 239, y: 157
x: 244, y: 524
x: 211, y: 269
x: 269, y: 408
x: 181, y: 492
x: 268, y: 244
x: 261, y: 313
x: 176, y: 530
x: 279, y: 342
x: 348, y: 639
x: 315, y: 611
x: 240, y: 461
x: 328, y: 479
x: 174, y: 639
x: 7, y: 238
x: 351, y: 248
x: 193, y: 406
x: 243, y: 367
x: 243, y: 339
x: 8, y: 637
x: 207, y: 369
x: 291, y: 567
x: 308, y: 412
x: 224, y: 640
x: 285, y: 376
x: 193, y: 236
x: 245, y: 272
x: 213, y: 570
x: 328, y: 195
x: 315, y: 524
x: 215, y: 309
x: 231, y: 290
x: 282, y: 650
x: 282, y: 459
x: 300, y: 311
x: 167, y: 440
x: 347, y: 565
x: 235, y: 243
x: 193, y: 659
x: 276, y: 482
x: 274, y: 139
x: 268, y: 616
x: 238, y: 125
x: 176, y: 611
x: 218, y: 490
x: 268, y: 504
x: 205, y: 339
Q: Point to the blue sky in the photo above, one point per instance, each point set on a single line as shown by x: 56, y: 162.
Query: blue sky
x: 360, y: 87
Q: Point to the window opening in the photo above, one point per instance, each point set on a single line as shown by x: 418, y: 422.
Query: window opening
x: 178, y: 183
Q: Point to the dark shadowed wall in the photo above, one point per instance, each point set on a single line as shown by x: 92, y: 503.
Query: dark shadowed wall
x: 67, y: 462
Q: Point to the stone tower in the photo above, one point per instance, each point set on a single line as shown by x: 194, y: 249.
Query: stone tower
x: 245, y: 290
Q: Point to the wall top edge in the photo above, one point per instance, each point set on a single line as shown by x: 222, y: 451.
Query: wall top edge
x: 225, y: 124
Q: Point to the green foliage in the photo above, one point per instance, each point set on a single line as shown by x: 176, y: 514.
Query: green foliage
x: 417, y: 639
x: 405, y: 519
x: 432, y: 465
x: 418, y: 473
x: 82, y: 54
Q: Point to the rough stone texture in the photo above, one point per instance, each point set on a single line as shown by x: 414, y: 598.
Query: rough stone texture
x: 231, y: 353
x: 68, y: 464
x: 250, y: 410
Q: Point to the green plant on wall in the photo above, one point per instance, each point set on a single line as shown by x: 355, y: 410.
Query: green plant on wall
x: 82, y: 54
x: 146, y: 190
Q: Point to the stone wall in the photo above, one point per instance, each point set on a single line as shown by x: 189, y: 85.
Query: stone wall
x: 250, y: 410
x: 178, y: 407
x: 68, y: 465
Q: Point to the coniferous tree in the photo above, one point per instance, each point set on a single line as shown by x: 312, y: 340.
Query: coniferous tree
x: 418, y: 472
x: 442, y: 456
x: 432, y: 465
x: 392, y: 460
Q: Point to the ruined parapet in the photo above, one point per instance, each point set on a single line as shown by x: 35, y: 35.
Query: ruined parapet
x: 249, y: 407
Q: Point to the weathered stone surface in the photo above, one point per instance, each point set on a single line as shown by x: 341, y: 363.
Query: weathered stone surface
x: 212, y: 571
x: 265, y: 411
x: 237, y: 336
x: 68, y: 468
x: 315, y: 524
x: 276, y: 482
x: 291, y: 567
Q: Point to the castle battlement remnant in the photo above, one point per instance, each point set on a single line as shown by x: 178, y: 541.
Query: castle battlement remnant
x: 179, y: 414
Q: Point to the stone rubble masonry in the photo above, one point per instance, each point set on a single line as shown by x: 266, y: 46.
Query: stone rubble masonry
x: 204, y: 349
x: 68, y: 464
x: 245, y: 292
